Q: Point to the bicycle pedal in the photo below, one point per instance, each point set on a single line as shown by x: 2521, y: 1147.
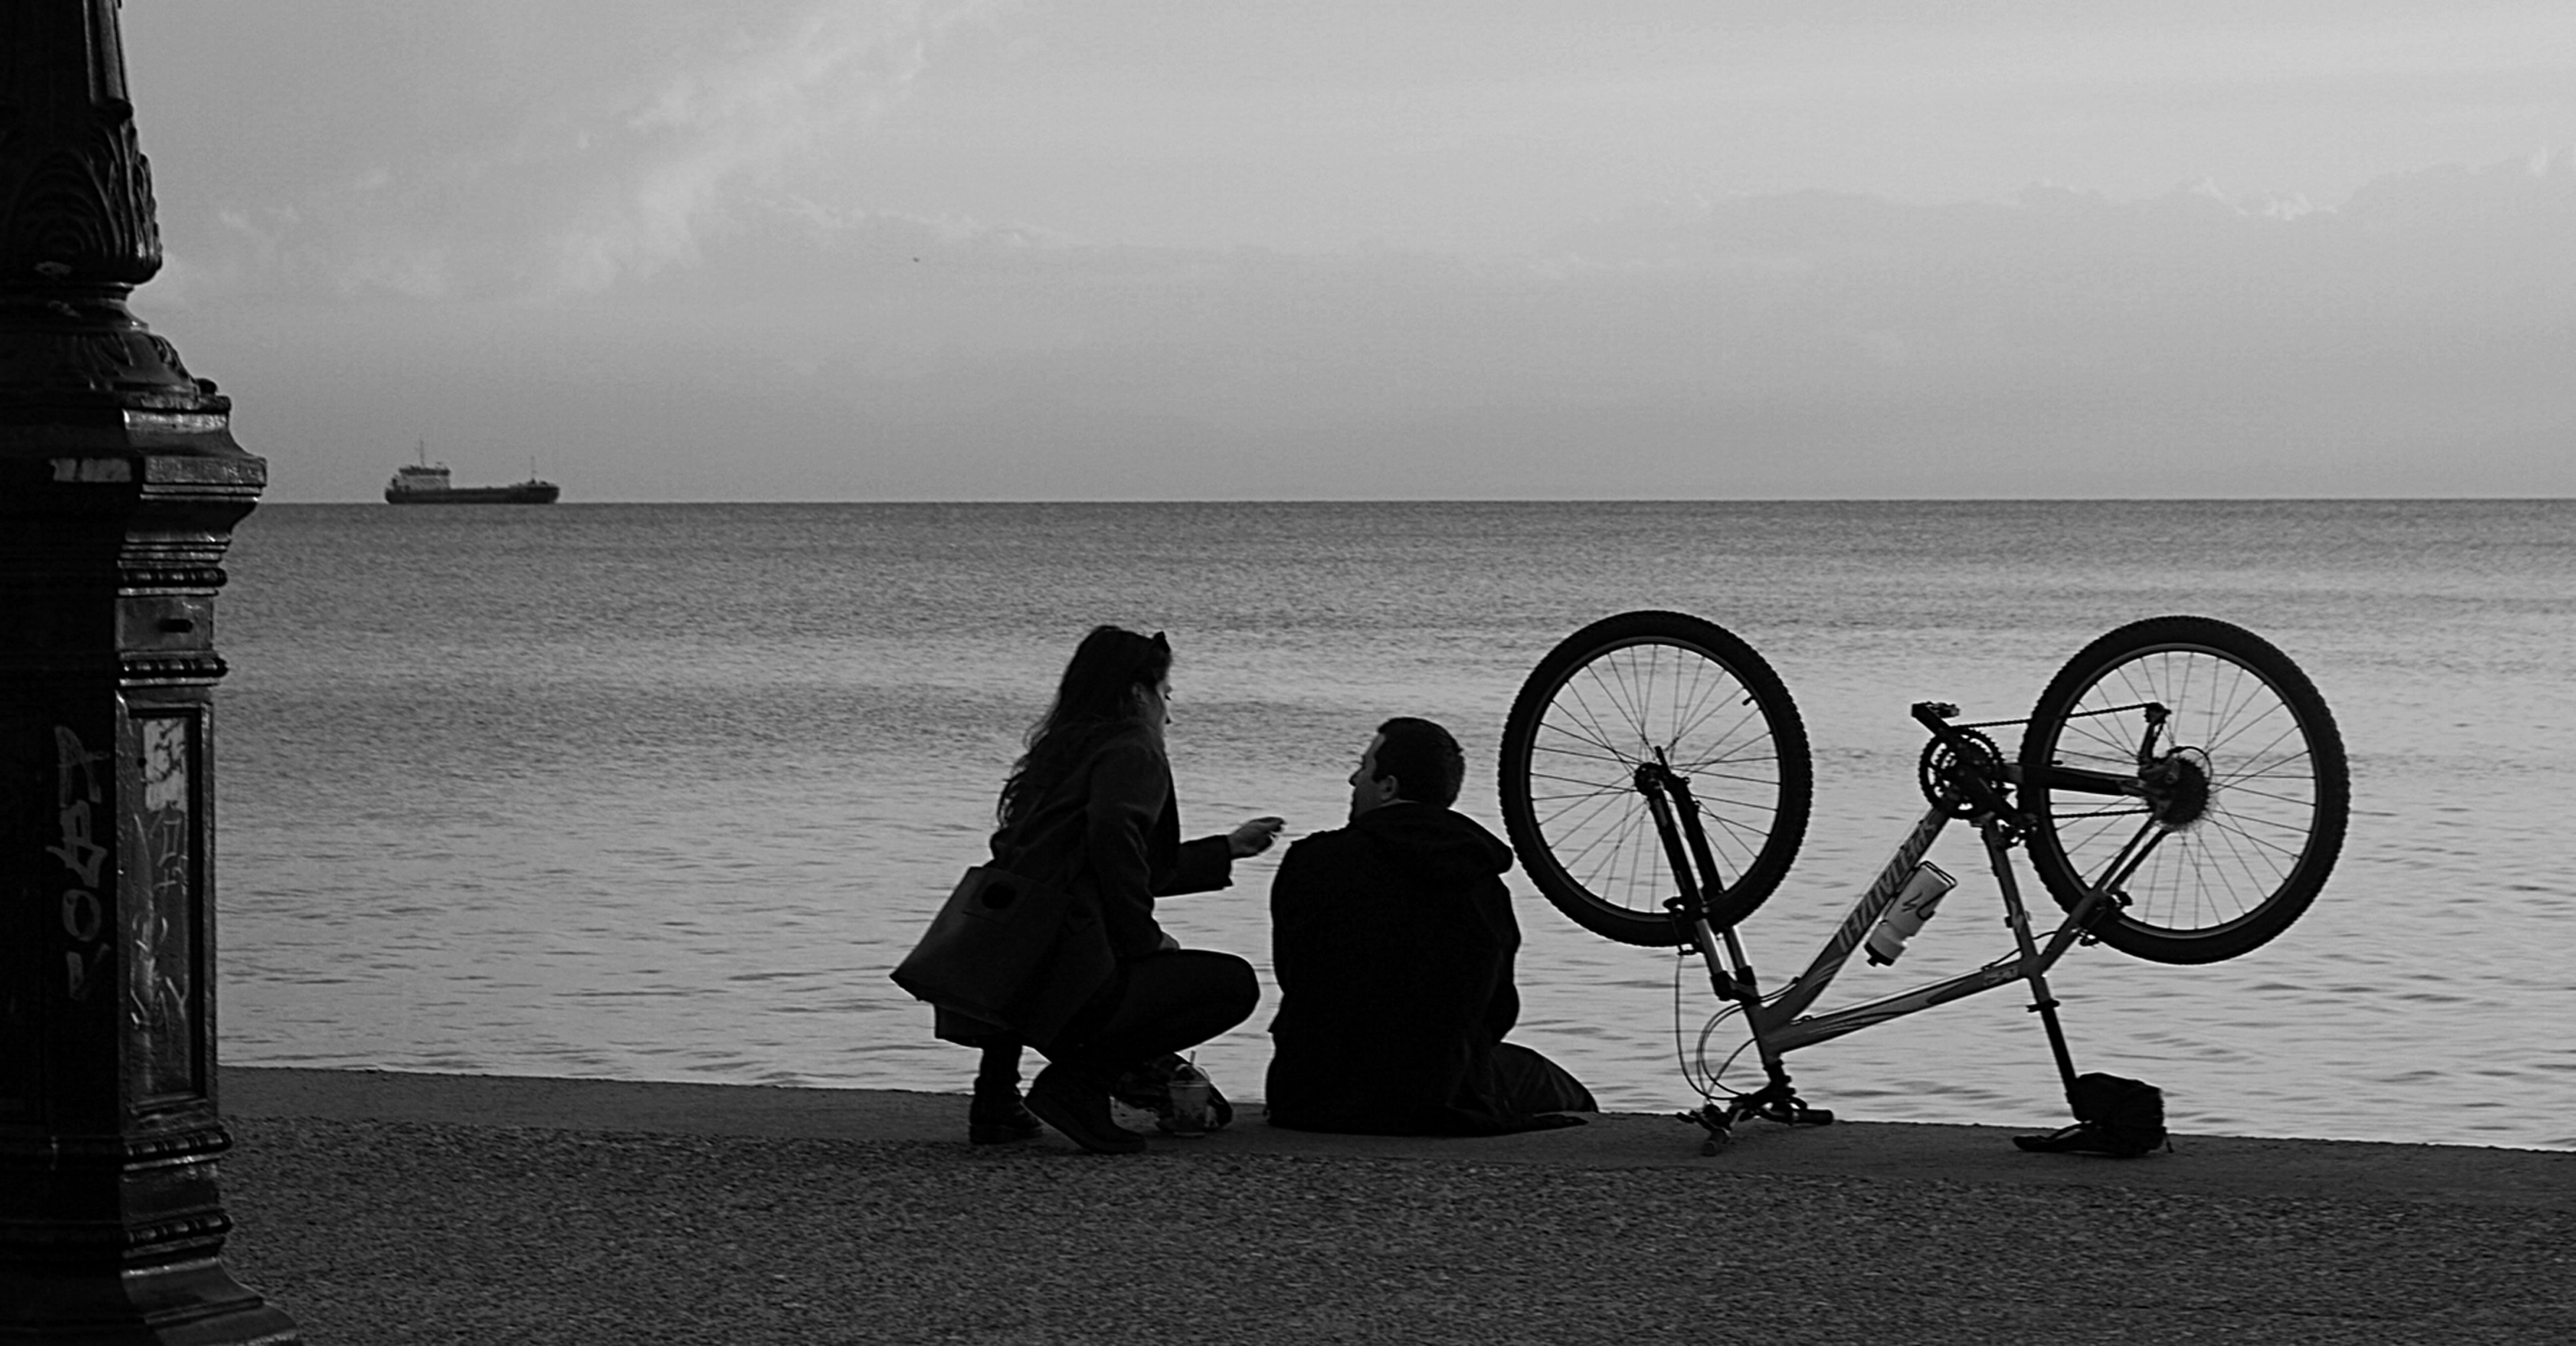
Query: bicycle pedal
x: 1791, y: 1112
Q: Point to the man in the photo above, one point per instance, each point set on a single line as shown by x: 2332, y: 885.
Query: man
x: 1392, y: 941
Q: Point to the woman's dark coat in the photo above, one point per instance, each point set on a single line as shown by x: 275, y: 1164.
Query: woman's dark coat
x: 1110, y: 834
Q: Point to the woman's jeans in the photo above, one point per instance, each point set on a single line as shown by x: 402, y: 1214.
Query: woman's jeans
x: 1166, y: 1001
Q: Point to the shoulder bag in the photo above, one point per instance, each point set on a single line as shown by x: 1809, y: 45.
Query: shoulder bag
x: 1011, y: 951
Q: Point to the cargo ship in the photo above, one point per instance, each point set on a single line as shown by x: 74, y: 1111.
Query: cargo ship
x: 425, y: 483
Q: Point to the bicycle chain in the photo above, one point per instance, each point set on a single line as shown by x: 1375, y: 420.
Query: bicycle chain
x: 2076, y: 714
x: 2079, y: 714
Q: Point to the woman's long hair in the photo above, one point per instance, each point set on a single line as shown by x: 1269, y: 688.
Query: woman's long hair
x: 1097, y: 695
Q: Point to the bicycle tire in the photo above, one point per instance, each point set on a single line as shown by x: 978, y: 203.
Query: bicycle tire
x: 1592, y: 711
x: 2242, y: 852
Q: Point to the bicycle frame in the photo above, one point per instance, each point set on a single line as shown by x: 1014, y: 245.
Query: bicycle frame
x: 1779, y: 1022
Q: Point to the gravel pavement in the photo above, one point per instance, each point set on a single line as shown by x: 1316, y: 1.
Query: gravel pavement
x: 424, y: 1208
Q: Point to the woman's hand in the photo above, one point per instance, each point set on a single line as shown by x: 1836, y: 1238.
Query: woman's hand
x: 1254, y: 836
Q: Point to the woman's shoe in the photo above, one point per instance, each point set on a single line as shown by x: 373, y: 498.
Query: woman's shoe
x: 1078, y: 1105
x: 997, y: 1117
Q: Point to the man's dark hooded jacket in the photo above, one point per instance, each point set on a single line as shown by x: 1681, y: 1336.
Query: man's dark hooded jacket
x: 1392, y: 942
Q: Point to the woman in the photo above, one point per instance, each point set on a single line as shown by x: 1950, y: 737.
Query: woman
x: 1089, y: 808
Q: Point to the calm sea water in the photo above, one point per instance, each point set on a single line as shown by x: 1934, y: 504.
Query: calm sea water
x: 662, y: 792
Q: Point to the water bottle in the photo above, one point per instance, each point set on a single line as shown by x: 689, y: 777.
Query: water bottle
x: 1189, y: 1095
x: 1914, y: 905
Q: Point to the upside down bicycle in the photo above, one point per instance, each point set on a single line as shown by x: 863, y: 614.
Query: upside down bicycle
x: 2180, y: 791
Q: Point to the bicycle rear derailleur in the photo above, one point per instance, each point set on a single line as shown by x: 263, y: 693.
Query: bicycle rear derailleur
x: 1775, y: 1102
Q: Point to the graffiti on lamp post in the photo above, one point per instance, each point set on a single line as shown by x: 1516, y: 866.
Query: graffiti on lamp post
x: 77, y: 796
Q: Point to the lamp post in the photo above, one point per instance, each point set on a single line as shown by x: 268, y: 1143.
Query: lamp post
x: 120, y: 484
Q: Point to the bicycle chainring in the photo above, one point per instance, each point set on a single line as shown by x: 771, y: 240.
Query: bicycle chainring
x: 1943, y: 766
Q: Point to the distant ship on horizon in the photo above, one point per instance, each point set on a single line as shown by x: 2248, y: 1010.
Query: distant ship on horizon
x: 425, y: 483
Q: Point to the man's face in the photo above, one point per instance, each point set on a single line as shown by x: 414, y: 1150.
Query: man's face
x: 1367, y: 792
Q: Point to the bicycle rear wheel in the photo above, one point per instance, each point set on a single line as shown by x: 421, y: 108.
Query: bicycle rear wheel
x: 2238, y: 800
x: 1601, y: 704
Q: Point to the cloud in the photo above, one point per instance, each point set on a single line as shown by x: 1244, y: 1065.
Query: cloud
x: 2537, y: 190
x: 2411, y: 339
x: 736, y: 123
x: 540, y: 153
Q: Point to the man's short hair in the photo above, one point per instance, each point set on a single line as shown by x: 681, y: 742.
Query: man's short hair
x: 1424, y: 759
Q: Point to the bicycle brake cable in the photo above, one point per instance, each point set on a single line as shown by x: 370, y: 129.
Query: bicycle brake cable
x: 1706, y: 1082
x: 1681, y: 1059
x: 1717, y: 1077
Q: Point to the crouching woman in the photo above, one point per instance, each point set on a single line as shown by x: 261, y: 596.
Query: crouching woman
x: 1089, y: 808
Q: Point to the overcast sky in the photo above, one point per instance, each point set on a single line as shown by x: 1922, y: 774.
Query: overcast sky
x: 861, y: 249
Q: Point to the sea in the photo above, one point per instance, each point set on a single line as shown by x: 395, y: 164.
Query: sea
x: 663, y: 792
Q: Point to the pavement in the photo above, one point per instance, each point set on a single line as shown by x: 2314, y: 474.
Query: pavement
x: 398, y: 1207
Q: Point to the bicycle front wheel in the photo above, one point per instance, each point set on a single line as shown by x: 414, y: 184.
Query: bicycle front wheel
x: 1604, y: 702
x: 2190, y: 766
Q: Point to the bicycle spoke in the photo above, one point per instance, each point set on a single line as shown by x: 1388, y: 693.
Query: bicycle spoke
x: 1609, y: 750
x: 1644, y: 693
x: 1604, y: 801
x: 2246, y: 857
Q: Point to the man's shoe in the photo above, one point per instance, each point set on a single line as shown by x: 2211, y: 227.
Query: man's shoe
x: 1078, y: 1105
x: 997, y: 1117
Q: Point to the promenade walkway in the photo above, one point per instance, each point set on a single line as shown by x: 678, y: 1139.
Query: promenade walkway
x: 385, y: 1207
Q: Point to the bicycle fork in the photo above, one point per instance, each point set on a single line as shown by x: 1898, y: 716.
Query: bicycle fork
x: 1694, y: 868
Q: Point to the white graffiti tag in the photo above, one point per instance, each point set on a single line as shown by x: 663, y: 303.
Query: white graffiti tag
x: 76, y: 791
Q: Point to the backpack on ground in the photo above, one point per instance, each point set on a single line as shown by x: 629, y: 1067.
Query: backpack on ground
x: 2114, y: 1115
x: 1174, y: 1094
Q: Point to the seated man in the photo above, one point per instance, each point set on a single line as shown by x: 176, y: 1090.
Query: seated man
x: 1392, y: 941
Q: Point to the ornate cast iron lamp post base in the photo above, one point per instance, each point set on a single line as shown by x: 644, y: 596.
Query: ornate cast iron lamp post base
x: 120, y: 485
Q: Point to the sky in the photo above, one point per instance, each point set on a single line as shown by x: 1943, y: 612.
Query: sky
x: 1350, y: 249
